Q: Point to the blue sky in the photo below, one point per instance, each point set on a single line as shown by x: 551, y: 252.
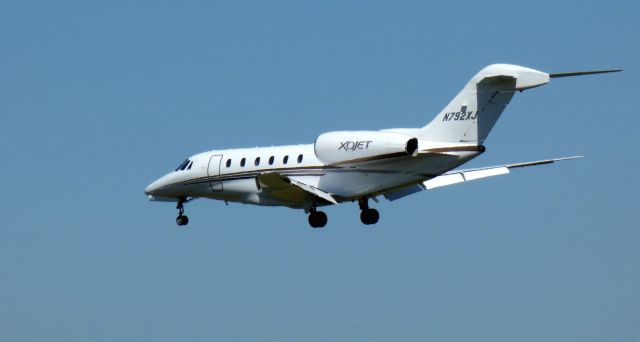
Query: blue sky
x: 100, y: 98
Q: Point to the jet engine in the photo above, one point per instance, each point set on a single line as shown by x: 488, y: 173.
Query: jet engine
x: 362, y: 146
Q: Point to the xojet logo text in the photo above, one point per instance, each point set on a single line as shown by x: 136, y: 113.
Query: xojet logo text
x: 355, y: 145
x: 461, y: 115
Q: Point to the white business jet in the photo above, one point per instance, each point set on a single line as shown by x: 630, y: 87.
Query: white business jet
x: 349, y: 166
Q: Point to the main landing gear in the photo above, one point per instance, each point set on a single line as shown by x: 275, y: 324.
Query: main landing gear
x: 181, y: 220
x: 317, y: 219
x: 367, y: 215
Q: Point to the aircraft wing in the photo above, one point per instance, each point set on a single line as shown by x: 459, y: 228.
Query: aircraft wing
x: 460, y: 176
x: 288, y: 189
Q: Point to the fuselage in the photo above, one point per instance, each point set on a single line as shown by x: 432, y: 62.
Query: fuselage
x: 230, y: 174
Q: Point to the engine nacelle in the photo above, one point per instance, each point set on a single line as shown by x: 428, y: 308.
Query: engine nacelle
x: 362, y: 146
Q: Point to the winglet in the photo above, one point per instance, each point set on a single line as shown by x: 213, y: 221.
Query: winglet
x: 581, y: 73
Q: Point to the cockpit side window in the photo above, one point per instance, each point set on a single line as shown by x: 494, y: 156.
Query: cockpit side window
x: 183, y: 165
x: 190, y: 165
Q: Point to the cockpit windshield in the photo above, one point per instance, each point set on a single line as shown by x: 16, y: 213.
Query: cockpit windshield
x: 184, y: 165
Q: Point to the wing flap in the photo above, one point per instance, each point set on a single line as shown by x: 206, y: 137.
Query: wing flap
x: 443, y: 180
x: 277, y: 183
x: 313, y: 190
x: 496, y: 171
x: 272, y: 180
x: 459, y: 177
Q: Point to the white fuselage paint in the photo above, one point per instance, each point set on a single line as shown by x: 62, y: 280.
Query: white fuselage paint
x: 209, y: 176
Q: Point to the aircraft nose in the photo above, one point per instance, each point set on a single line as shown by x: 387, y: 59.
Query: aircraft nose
x: 152, y: 188
x: 161, y: 189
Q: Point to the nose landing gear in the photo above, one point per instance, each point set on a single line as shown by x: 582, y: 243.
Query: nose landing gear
x: 181, y: 220
x: 367, y: 215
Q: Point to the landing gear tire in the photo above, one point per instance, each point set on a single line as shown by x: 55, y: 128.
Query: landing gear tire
x: 369, y: 216
x: 182, y: 220
x: 317, y: 219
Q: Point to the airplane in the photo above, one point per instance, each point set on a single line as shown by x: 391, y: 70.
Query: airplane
x: 350, y: 166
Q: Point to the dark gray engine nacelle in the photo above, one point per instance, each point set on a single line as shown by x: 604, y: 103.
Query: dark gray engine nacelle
x: 361, y: 146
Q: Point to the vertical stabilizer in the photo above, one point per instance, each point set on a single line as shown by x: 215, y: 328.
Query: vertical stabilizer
x: 471, y: 115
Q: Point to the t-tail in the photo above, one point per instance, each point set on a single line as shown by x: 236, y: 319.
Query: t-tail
x: 471, y: 115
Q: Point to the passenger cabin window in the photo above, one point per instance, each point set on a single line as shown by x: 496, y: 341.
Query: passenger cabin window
x: 285, y: 159
x: 228, y: 162
x: 257, y: 162
x: 242, y: 161
x: 271, y: 160
x: 299, y: 159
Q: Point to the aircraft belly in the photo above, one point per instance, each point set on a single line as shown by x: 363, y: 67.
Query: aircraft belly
x: 239, y: 187
x: 246, y: 191
x: 356, y: 184
x: 237, y: 190
x: 353, y: 183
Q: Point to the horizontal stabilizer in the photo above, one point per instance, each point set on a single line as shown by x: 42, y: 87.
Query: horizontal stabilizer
x: 580, y: 73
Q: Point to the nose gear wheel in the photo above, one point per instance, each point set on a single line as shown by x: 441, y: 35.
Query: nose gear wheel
x: 181, y: 220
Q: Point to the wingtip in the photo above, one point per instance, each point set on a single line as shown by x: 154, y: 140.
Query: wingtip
x: 582, y: 73
x: 567, y: 158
